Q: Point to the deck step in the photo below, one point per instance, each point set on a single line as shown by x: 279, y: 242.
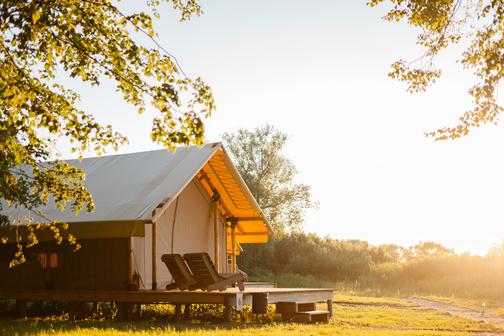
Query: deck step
x: 302, y: 307
x: 301, y: 312
x: 286, y: 307
x: 294, y: 307
x: 312, y: 316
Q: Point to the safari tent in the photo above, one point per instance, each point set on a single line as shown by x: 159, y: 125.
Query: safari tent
x: 147, y: 204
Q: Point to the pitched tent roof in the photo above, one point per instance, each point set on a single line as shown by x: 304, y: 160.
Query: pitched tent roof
x: 130, y: 187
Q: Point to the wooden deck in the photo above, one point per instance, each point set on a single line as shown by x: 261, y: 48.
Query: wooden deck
x: 258, y: 297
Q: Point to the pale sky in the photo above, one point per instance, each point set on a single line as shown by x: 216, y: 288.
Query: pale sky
x: 317, y: 70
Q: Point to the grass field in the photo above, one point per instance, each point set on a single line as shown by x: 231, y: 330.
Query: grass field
x: 353, y: 315
x: 491, y: 306
x: 371, y: 300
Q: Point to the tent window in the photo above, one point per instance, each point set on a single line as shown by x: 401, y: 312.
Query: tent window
x: 41, y: 259
x: 47, y: 260
x: 53, y: 260
x: 229, y: 258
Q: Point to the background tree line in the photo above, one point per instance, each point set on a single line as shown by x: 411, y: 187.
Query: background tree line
x: 305, y: 259
x: 332, y: 259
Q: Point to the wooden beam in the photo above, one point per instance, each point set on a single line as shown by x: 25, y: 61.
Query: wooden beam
x: 160, y: 209
x: 273, y: 295
x: 250, y: 219
x: 156, y: 214
x: 216, y: 234
x: 154, y: 257
x: 130, y: 262
x: 252, y: 233
x: 212, y: 190
x: 82, y: 230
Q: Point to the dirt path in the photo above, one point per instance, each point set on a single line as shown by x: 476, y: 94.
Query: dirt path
x: 490, y: 318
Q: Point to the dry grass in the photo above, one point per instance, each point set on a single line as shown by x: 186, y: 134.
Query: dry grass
x: 358, y: 315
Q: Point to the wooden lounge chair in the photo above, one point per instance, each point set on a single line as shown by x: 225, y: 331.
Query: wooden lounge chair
x: 207, y: 276
x: 182, y: 277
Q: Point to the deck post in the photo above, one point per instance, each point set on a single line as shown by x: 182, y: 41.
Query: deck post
x: 96, y: 308
x: 178, y: 312
x: 72, y: 311
x: 125, y: 311
x: 234, y: 222
x: 229, y: 302
x: 121, y: 311
x: 228, y: 312
x: 138, y: 311
x: 187, y: 311
x: 215, y: 199
x: 330, y: 307
x: 21, y: 309
x: 77, y: 310
x: 259, y: 303
x: 154, y: 259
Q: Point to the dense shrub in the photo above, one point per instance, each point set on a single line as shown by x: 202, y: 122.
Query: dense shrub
x: 308, y: 254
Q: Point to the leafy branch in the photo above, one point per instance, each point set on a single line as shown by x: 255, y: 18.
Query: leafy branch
x: 442, y: 23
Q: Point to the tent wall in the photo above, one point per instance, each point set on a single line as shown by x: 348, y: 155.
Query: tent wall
x: 193, y: 232
x: 142, y: 256
x: 100, y: 264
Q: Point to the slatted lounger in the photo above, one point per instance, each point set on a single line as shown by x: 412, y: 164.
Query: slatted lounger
x: 182, y: 277
x: 207, y: 276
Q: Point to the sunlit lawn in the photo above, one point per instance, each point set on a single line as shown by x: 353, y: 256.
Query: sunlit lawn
x: 383, y: 316
x: 405, y: 318
x: 30, y: 327
x: 371, y: 300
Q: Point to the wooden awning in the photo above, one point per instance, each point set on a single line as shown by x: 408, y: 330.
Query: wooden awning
x: 236, y: 202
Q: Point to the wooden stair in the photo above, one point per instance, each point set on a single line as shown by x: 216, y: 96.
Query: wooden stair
x: 312, y: 316
x: 302, y: 312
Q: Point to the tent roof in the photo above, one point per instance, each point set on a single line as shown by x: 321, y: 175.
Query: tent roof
x: 129, y: 187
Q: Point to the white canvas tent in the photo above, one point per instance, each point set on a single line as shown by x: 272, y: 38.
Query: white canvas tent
x: 190, y: 200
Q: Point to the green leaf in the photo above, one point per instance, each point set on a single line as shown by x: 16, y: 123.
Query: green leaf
x: 36, y: 16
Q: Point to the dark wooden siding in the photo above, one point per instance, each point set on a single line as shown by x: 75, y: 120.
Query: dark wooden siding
x: 99, y: 264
